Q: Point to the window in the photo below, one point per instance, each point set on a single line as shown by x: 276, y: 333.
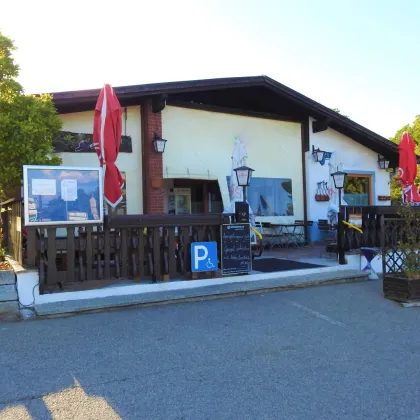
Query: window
x: 358, y: 190
x: 270, y: 196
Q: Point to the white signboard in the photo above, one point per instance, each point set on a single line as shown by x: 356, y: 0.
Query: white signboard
x: 44, y: 187
x: 69, y: 189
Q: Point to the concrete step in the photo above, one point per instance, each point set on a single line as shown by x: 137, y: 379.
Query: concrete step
x: 8, y: 292
x: 186, y: 290
x: 7, y: 277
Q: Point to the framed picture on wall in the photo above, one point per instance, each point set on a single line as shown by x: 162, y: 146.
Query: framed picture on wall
x: 62, y: 195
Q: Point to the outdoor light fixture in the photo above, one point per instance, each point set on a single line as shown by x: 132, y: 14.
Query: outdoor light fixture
x: 339, y: 177
x: 383, y: 162
x: 320, y: 156
x: 159, y: 143
x: 243, y: 175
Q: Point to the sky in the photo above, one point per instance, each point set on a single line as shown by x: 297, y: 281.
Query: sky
x: 360, y: 56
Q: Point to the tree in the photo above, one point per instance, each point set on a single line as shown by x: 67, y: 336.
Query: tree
x: 414, y: 130
x: 28, y: 124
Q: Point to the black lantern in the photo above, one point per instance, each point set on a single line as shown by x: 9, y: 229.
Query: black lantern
x: 339, y: 178
x: 159, y: 144
x: 319, y: 155
x: 383, y: 162
x: 243, y: 176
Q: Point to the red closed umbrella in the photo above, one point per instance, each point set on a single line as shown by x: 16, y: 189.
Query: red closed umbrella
x: 408, y: 169
x: 107, y: 128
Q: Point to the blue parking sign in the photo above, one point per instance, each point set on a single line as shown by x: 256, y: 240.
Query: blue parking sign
x: 203, y: 256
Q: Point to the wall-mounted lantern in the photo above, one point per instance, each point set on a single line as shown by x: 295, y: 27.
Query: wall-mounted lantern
x: 383, y: 162
x: 320, y: 156
x: 159, y: 143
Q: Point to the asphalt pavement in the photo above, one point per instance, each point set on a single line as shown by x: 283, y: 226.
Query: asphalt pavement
x: 332, y: 352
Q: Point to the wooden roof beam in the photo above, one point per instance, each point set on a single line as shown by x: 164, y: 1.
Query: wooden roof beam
x: 320, y: 125
x: 159, y: 103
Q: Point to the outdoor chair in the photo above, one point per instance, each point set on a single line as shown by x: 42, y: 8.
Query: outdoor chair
x: 299, y: 231
x: 329, y: 237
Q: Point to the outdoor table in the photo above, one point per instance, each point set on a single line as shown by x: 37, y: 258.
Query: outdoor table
x: 370, y: 254
x: 288, y: 230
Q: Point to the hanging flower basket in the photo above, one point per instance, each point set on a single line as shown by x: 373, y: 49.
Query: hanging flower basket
x: 321, y: 193
x: 322, y: 197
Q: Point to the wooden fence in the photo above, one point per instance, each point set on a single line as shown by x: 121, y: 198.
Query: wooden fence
x: 11, y: 225
x: 140, y: 247
x: 383, y: 228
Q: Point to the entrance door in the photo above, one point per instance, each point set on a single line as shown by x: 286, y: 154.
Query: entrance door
x: 205, y: 195
x: 358, y: 190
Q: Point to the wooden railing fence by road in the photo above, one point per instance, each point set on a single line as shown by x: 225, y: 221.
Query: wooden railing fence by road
x: 140, y: 247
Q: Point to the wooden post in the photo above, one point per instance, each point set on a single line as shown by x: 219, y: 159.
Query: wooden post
x: 206, y: 197
x: 70, y: 254
x: 382, y: 241
x: 51, y: 255
x: 31, y: 247
x: 157, y: 271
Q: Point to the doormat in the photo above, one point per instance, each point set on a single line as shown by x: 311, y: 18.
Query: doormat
x: 268, y: 265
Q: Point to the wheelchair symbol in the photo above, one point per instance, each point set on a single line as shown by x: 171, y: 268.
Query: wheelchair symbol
x: 209, y: 264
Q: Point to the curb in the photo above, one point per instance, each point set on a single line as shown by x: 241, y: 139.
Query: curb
x: 70, y: 308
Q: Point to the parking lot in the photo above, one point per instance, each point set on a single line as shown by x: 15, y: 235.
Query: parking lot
x: 333, y: 352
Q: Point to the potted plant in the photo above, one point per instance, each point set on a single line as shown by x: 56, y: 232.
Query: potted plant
x: 403, y: 282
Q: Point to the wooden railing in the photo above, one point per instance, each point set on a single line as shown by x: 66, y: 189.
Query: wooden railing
x: 11, y: 225
x: 140, y: 247
x: 382, y: 228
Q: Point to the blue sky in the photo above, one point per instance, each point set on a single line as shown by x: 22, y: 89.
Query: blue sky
x: 359, y: 56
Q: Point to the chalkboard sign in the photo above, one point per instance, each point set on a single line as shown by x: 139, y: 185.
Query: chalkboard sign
x: 236, y: 249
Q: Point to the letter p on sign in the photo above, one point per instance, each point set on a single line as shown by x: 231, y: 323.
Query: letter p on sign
x: 203, y: 256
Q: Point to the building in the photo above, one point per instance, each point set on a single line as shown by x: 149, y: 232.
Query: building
x: 201, y: 120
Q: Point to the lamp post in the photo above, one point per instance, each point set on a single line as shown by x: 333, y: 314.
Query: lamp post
x: 243, y: 176
x: 339, y: 177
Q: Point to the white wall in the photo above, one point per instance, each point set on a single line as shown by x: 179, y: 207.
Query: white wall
x: 200, y: 145
x: 130, y: 163
x: 352, y: 156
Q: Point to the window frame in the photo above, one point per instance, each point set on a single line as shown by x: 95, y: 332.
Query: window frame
x: 370, y: 178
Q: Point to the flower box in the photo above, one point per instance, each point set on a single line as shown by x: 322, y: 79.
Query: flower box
x: 384, y: 197
x: 400, y: 288
x: 322, y: 197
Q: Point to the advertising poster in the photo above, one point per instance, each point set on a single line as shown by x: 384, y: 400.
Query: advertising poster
x: 62, y: 195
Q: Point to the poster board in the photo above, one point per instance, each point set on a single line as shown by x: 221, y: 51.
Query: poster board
x: 62, y: 195
x: 236, y: 249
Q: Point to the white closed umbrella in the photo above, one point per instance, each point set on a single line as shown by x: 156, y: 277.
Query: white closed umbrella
x: 239, y: 158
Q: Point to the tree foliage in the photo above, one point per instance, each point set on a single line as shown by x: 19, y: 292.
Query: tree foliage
x: 414, y: 130
x: 28, y: 124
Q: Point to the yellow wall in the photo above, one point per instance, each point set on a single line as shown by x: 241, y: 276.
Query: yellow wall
x: 200, y: 145
x: 130, y: 163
